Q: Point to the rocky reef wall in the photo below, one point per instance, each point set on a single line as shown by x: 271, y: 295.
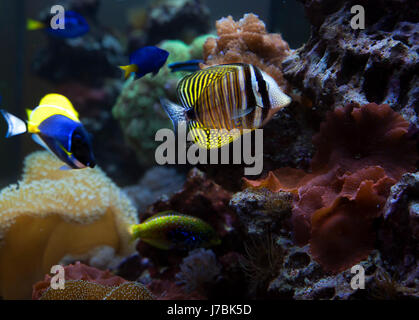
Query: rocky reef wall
x: 341, y: 65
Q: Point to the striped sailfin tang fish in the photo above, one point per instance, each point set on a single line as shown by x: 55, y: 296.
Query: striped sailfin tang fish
x: 218, y: 99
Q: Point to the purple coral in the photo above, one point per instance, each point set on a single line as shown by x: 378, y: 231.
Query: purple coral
x: 198, y: 270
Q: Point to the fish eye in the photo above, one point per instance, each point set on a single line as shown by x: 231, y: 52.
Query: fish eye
x: 76, y: 141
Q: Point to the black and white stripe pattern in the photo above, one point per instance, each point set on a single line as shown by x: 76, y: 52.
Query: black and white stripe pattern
x: 220, y: 94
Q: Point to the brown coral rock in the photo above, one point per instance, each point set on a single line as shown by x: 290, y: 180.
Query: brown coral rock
x: 247, y: 41
x: 340, y: 65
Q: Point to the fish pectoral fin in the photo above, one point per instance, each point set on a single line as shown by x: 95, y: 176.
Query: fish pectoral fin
x: 15, y: 126
x: 129, y: 69
x: 242, y: 113
x: 65, y: 168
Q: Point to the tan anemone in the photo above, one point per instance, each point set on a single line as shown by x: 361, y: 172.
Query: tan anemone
x: 51, y: 214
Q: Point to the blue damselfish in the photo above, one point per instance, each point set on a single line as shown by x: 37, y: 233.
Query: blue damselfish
x: 74, y: 26
x: 145, y: 60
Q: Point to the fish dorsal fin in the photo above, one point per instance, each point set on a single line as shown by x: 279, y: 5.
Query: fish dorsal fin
x: 162, y: 214
x: 55, y: 99
x: 190, y: 87
x: 50, y: 105
x: 211, y: 139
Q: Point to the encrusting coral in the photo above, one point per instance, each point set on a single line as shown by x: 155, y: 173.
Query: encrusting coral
x: 86, y: 290
x: 79, y: 271
x: 198, y: 270
x: 398, y: 238
x: 86, y: 283
x: 247, y: 41
x: 52, y: 214
x: 361, y: 153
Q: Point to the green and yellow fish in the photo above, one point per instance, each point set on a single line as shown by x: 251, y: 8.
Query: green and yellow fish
x: 220, y: 98
x: 173, y: 230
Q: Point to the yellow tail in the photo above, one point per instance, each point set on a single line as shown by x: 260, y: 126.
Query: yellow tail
x: 35, y: 25
x: 129, y: 69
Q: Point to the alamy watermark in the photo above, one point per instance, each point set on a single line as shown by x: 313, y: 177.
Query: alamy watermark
x: 358, y: 281
x: 358, y: 20
x: 58, y: 280
x: 58, y: 20
x: 242, y: 148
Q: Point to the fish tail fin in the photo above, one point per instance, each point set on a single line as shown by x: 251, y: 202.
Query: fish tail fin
x: 175, y: 112
x: 15, y: 125
x: 190, y: 65
x: 129, y: 69
x: 34, y: 25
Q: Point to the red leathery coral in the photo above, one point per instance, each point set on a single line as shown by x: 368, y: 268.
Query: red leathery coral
x: 79, y: 271
x: 361, y: 153
x: 369, y: 135
x: 247, y: 41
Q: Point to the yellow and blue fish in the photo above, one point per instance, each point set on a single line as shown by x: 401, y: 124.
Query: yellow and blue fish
x: 173, y: 230
x: 221, y: 98
x: 55, y: 125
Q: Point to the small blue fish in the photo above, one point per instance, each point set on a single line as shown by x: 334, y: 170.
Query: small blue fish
x: 74, y: 26
x: 145, y: 60
x: 190, y: 65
